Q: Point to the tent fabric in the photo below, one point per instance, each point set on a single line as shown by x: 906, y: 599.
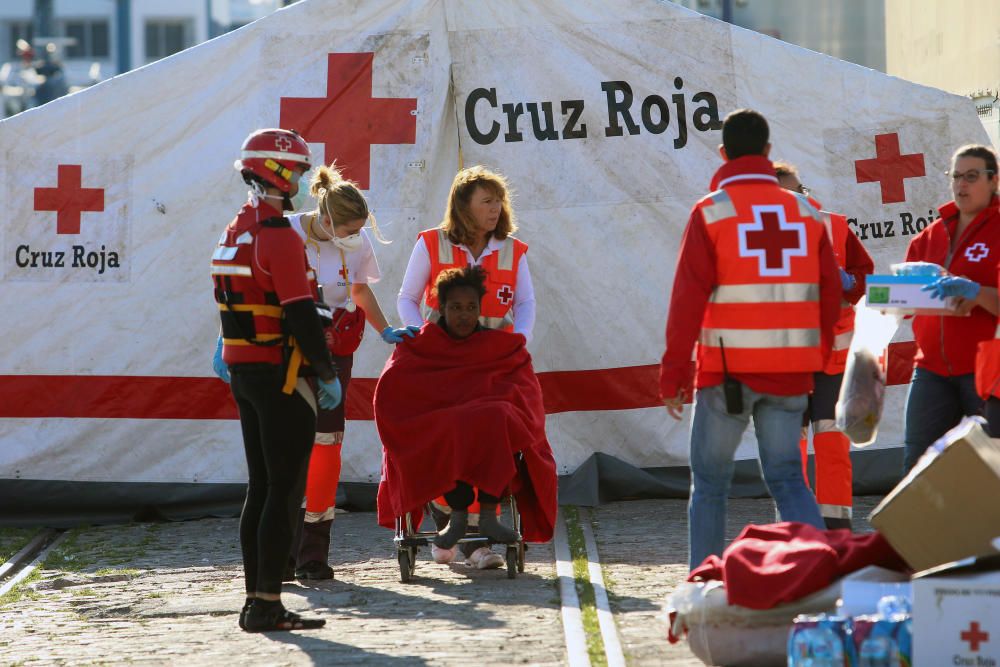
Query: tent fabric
x: 116, y: 195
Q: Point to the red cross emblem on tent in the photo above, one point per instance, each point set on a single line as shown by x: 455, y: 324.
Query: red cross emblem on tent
x: 974, y: 636
x: 889, y: 168
x: 348, y: 121
x: 69, y: 199
x: 772, y: 239
x: 505, y: 295
x: 977, y: 252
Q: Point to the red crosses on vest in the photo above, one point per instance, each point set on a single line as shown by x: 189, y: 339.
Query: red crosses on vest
x: 974, y: 636
x: 349, y: 120
x: 977, y: 251
x: 505, y: 295
x: 889, y: 168
x: 343, y: 272
x: 772, y: 240
x: 69, y: 199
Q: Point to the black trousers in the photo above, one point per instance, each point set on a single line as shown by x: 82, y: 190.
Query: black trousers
x: 278, y: 432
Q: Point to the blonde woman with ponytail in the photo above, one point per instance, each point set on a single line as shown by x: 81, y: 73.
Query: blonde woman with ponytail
x: 340, y: 250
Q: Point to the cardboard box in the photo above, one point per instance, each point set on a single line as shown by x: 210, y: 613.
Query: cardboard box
x: 947, y: 508
x: 956, y: 614
x: 903, y: 294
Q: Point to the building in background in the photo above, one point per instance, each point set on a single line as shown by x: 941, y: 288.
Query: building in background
x: 852, y: 30
x: 91, y: 45
x: 954, y: 46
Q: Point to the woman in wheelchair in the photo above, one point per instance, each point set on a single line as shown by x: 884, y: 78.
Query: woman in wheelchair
x: 454, y: 409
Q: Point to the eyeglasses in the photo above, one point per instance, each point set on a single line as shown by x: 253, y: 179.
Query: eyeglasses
x: 970, y: 176
x: 802, y: 189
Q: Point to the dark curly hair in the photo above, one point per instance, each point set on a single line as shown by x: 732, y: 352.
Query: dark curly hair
x: 468, y: 276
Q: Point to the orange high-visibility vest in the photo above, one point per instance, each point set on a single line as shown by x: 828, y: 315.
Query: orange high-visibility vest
x: 843, y: 331
x: 496, y: 308
x: 764, y: 310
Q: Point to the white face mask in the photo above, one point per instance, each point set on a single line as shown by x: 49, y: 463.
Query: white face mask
x: 348, y: 243
x: 302, y: 198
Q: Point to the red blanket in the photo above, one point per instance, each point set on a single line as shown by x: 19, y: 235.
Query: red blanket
x: 781, y: 562
x: 450, y: 410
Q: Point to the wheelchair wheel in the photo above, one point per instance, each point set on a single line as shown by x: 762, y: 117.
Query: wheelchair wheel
x: 512, y: 562
x: 520, y: 557
x: 406, y: 565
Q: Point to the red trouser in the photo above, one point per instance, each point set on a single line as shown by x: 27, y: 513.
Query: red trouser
x: 834, y: 476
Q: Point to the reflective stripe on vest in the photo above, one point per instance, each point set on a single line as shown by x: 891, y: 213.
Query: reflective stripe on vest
x: 759, y: 339
x: 766, y: 293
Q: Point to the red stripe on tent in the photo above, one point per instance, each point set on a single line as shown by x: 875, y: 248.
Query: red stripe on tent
x: 120, y: 397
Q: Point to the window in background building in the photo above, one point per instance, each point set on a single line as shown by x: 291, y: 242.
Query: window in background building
x: 19, y: 30
x: 91, y: 37
x: 166, y: 37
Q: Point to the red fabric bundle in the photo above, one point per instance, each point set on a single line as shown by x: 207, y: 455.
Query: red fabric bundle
x: 449, y: 410
x: 781, y: 562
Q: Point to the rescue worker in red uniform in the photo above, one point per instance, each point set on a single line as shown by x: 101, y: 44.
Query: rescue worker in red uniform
x: 832, y: 448
x: 756, y: 280
x: 273, y: 352
x: 965, y: 240
x: 477, y: 230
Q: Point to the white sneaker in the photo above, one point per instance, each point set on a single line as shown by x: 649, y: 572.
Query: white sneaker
x: 443, y: 556
x: 484, y: 558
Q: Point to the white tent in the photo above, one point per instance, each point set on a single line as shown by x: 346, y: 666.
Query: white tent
x: 604, y: 116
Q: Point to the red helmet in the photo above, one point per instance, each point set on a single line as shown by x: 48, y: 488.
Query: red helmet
x: 272, y: 154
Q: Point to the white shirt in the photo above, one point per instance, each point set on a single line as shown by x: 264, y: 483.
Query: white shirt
x: 324, y: 257
x: 418, y: 271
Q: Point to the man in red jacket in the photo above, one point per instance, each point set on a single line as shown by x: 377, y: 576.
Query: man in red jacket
x: 758, y: 288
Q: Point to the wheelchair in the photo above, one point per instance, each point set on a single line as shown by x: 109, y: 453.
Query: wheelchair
x: 409, y: 538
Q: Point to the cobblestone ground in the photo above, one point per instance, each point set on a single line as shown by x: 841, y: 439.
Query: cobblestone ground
x: 643, y: 545
x: 169, y: 594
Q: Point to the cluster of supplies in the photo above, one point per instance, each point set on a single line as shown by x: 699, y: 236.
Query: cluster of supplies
x: 884, y: 639
x: 943, y: 520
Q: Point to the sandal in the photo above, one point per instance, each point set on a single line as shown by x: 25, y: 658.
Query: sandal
x: 272, y: 617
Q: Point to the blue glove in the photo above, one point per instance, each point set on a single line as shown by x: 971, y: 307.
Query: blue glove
x: 393, y: 336
x: 943, y: 288
x: 218, y: 365
x: 329, y: 393
x: 917, y: 269
x: 847, y: 281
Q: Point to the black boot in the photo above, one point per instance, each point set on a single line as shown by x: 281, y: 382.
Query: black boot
x: 314, y: 551
x: 457, y: 524
x: 490, y: 526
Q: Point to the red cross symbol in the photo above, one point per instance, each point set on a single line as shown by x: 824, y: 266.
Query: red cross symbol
x: 283, y: 143
x: 889, y: 168
x: 69, y: 199
x: 977, y: 251
x: 772, y: 240
x: 505, y: 295
x: 348, y: 121
x: 974, y: 636
x: 343, y: 272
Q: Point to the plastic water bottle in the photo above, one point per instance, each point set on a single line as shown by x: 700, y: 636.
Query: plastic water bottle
x: 878, y: 651
x: 815, y: 647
